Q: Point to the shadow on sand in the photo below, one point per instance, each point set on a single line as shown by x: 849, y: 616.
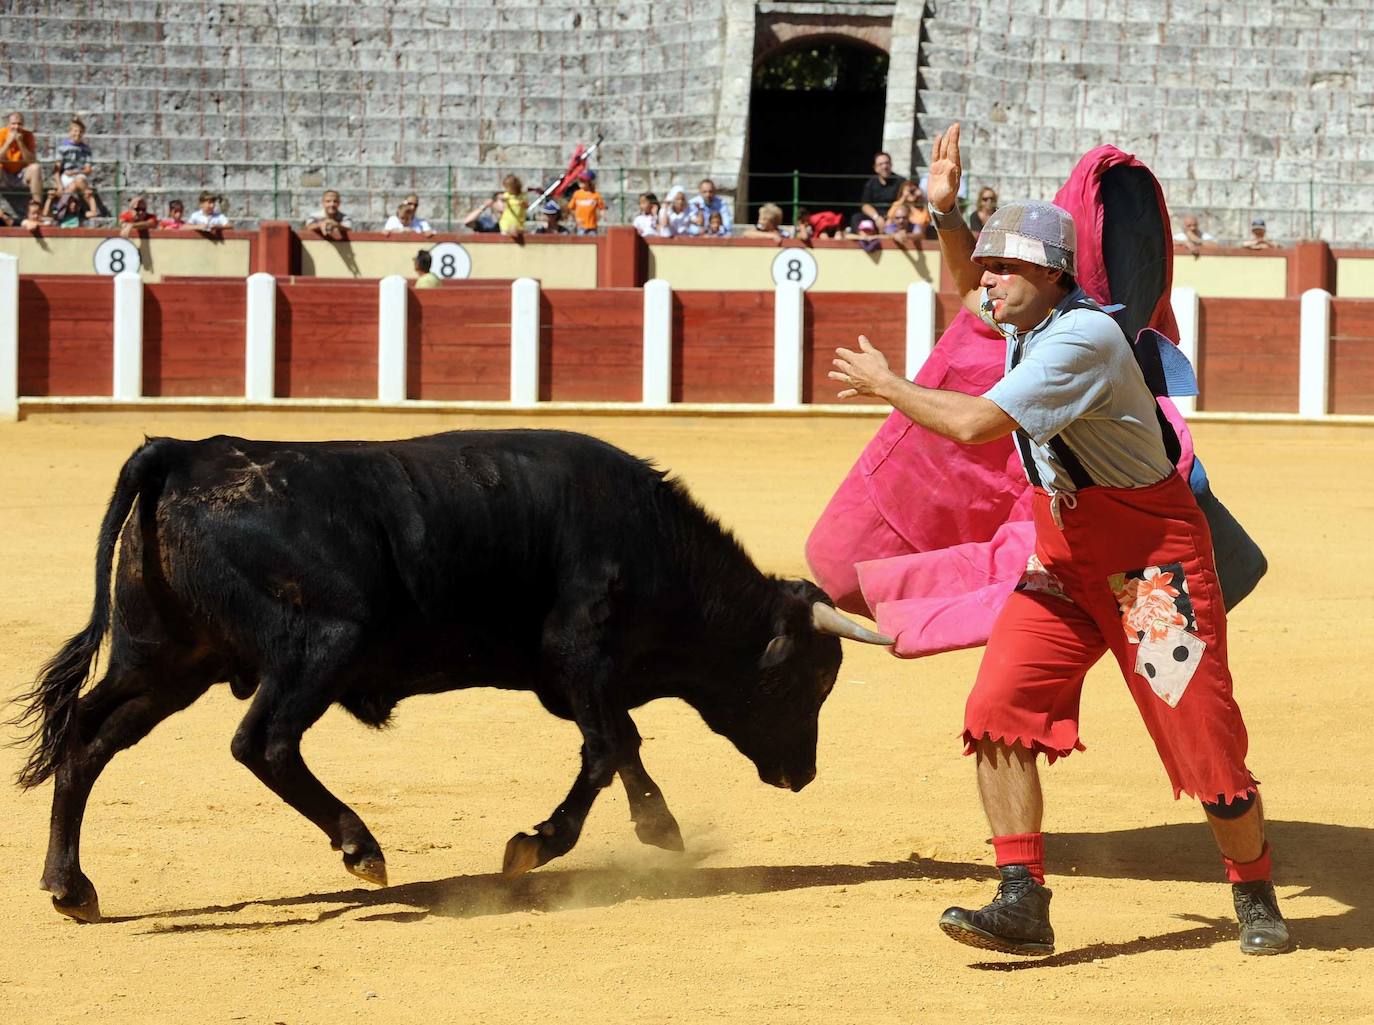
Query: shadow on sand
x: 1326, y: 860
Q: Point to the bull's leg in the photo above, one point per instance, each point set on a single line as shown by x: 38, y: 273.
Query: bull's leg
x: 268, y: 742
x: 117, y: 713
x: 654, y: 823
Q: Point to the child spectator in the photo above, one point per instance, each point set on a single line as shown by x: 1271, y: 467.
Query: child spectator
x: 769, y: 223
x: 715, y: 225
x: 404, y: 220
x: 514, y: 205
x: 587, y: 203
x: 424, y: 277
x: 675, y: 218
x: 706, y: 202
x: 209, y: 220
x: 74, y: 167
x: 826, y: 223
x: 19, y: 165
x: 803, y: 230
x: 329, y: 220
x: 66, y: 209
x: 646, y: 221
x: 36, y: 218
x: 552, y: 219
x: 486, y: 218
x: 175, y: 215
x: 869, y: 239
x: 136, y: 217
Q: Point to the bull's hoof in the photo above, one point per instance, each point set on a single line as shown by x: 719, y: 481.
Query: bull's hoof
x: 79, y: 902
x: 524, y: 851
x: 370, y: 868
x: 661, y: 831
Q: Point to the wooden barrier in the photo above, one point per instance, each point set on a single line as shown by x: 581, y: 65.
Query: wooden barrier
x: 193, y: 339
x: 1248, y: 355
x: 1352, y: 356
x: 66, y: 336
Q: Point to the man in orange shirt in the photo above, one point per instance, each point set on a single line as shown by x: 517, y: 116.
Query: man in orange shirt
x: 587, y: 203
x: 19, y: 158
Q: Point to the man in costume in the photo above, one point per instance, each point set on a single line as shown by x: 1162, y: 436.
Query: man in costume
x: 1122, y: 561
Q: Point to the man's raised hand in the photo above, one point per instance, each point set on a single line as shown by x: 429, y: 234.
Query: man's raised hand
x: 946, y: 169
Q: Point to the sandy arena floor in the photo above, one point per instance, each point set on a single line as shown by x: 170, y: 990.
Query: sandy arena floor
x: 226, y: 906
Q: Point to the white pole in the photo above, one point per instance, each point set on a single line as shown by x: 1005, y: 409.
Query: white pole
x: 789, y: 314
x: 128, y: 336
x: 260, y: 343
x: 524, y: 341
x: 920, y: 325
x: 658, y: 343
x: 392, y: 299
x: 1314, y: 353
x: 9, y: 337
x: 1185, y: 304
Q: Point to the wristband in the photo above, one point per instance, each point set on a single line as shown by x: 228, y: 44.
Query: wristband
x: 950, y: 220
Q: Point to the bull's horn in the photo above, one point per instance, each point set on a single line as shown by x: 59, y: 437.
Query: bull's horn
x: 825, y: 619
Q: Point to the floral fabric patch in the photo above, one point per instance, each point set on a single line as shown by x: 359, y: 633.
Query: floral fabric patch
x: 1153, y: 601
x: 1037, y: 578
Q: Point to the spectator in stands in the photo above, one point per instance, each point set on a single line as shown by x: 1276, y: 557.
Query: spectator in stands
x: 1257, y: 239
x: 769, y: 224
x: 879, y: 192
x: 514, y: 205
x: 404, y: 220
x: 706, y: 202
x: 987, y: 206
x: 803, y: 230
x: 329, y: 220
x: 210, y: 221
x: 825, y: 223
x: 422, y: 226
x: 646, y: 221
x: 136, y: 217
x: 910, y: 211
x: 551, y: 219
x: 716, y: 226
x: 35, y: 218
x: 1192, y: 236
x: 75, y: 168
x: 19, y: 166
x: 176, y: 216
x: 66, y: 209
x: 486, y: 218
x: 675, y: 218
x: 424, y: 277
x: 7, y: 220
x: 869, y: 238
x: 587, y: 203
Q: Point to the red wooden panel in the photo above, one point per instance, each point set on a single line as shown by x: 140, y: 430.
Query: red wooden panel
x: 836, y: 319
x: 459, y: 344
x: 947, y: 307
x: 66, y: 336
x: 193, y: 337
x: 327, y: 340
x: 723, y: 347
x: 1248, y: 355
x: 1352, y: 356
x: 592, y: 345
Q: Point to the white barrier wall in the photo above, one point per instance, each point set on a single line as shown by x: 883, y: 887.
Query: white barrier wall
x: 393, y: 300
x: 789, y: 315
x: 128, y: 336
x: 260, y: 342
x: 524, y: 341
x: 9, y: 337
x: 658, y: 343
x: 1314, y: 353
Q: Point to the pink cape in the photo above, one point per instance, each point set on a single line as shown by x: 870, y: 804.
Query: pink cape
x: 928, y: 536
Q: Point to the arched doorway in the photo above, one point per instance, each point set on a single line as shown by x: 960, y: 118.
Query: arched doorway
x: 816, y: 107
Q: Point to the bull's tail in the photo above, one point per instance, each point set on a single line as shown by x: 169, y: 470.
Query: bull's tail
x: 49, y: 708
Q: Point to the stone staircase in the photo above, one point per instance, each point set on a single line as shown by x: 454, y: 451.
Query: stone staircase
x: 1241, y: 109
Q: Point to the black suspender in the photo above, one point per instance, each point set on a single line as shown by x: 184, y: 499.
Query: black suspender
x: 1080, y: 477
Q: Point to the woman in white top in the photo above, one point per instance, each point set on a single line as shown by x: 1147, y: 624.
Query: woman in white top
x: 404, y: 219
x: 674, y: 218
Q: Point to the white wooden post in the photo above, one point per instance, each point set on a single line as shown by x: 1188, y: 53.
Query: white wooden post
x: 9, y: 337
x: 920, y: 325
x: 658, y: 343
x: 789, y: 313
x: 1185, y: 304
x: 1314, y: 353
x: 260, y: 343
x: 524, y: 341
x: 128, y: 336
x: 393, y: 298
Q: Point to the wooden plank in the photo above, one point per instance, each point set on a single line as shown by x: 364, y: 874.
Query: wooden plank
x: 835, y: 319
x: 193, y: 338
x: 326, y: 340
x: 591, y: 345
x: 1248, y: 355
x: 66, y: 336
x: 458, y: 345
x: 723, y: 346
x: 1352, y: 356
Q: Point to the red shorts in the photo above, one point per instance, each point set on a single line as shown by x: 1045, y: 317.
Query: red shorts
x: 1130, y: 570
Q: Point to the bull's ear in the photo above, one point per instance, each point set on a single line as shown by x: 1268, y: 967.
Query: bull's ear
x: 777, y: 651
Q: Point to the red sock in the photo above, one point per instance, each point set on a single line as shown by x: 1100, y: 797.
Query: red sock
x: 1249, y: 871
x: 1022, y: 849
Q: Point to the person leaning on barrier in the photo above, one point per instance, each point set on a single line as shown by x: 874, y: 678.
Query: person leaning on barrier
x: 208, y: 218
x: 137, y: 218
x: 329, y: 220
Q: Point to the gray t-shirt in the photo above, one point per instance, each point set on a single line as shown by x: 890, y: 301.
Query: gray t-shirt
x: 1073, y: 375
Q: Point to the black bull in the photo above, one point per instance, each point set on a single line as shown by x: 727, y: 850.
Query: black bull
x: 361, y: 573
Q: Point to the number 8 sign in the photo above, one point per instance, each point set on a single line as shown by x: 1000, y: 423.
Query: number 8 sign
x: 117, y: 255
x: 795, y: 265
x: 450, y: 261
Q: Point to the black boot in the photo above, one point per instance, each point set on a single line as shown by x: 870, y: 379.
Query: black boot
x: 1262, y: 928
x: 1016, y: 922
